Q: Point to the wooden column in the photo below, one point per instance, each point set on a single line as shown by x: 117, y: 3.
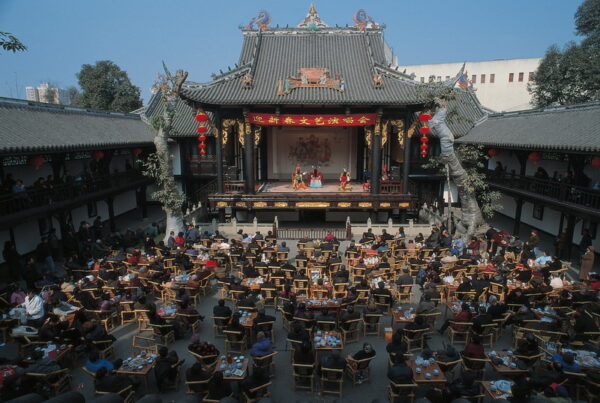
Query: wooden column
x: 248, y: 158
x: 518, y: 209
x: 110, y: 202
x: 406, y: 165
x: 219, y: 151
x: 143, y: 202
x: 376, y: 155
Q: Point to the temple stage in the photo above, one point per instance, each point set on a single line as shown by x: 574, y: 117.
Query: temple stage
x: 286, y: 187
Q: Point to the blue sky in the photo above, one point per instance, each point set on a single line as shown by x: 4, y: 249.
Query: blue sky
x: 203, y: 36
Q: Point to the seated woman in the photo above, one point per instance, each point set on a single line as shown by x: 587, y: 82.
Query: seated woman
x: 345, y: 181
x: 298, y: 179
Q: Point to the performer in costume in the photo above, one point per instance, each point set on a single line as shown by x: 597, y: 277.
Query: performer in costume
x: 298, y: 179
x: 345, y: 181
x: 316, y: 178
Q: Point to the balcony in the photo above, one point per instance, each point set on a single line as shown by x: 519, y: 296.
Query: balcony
x: 16, y: 207
x: 561, y: 195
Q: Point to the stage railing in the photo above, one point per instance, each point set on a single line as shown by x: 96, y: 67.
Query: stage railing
x: 390, y: 187
x: 235, y: 187
x: 310, y: 233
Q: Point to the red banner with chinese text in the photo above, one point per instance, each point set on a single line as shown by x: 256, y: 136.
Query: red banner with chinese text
x: 272, y: 119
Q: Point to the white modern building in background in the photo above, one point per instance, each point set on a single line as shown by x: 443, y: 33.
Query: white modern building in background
x: 40, y: 94
x: 500, y: 85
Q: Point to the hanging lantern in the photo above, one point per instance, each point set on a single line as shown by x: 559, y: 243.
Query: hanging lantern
x: 201, y: 145
x: 136, y: 151
x: 492, y: 152
x: 201, y: 117
x: 36, y: 161
x: 202, y: 151
x: 423, y: 153
x: 424, y: 139
x: 424, y: 117
x: 201, y: 129
x: 98, y: 155
x: 596, y: 162
x: 534, y: 157
x: 424, y: 146
x: 424, y: 130
x: 202, y: 138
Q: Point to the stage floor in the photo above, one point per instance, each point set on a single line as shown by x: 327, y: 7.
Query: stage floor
x: 286, y: 187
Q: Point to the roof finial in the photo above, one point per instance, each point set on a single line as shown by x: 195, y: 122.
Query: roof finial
x: 312, y: 20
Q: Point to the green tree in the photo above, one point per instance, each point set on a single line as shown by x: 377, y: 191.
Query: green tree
x: 73, y: 95
x: 571, y: 75
x: 10, y: 43
x: 105, y: 86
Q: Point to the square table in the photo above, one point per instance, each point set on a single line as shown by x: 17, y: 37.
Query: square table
x: 399, y: 316
x: 420, y: 378
x: 143, y: 372
x: 222, y: 366
x: 494, y: 394
x: 504, y: 370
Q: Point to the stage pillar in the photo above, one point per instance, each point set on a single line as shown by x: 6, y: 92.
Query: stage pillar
x: 375, y: 160
x: 249, y: 159
x: 218, y: 150
x: 406, y: 165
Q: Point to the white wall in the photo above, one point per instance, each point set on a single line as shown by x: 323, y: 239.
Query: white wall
x: 340, y: 141
x: 501, y: 95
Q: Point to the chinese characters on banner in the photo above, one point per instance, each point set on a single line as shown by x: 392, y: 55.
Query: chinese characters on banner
x: 271, y: 119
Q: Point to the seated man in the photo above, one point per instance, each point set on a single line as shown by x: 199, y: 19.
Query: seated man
x: 400, y: 373
x: 94, y: 363
x: 262, y: 347
x: 111, y: 383
x: 426, y: 305
x: 332, y: 361
x: 164, y: 371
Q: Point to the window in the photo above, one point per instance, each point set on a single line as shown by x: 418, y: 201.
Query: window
x: 447, y: 77
x: 483, y: 79
x: 92, y: 209
x: 422, y: 79
x: 439, y: 78
x: 592, y: 227
x: 474, y: 78
x: 521, y: 75
x: 492, y: 78
x: 530, y: 78
x: 511, y: 77
x: 538, y: 212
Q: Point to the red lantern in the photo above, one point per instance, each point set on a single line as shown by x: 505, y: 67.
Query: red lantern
x: 492, y: 152
x: 424, y: 146
x: 37, y: 161
x: 423, y: 153
x: 424, y: 117
x: 202, y: 152
x: 201, y: 145
x: 424, y: 139
x: 534, y: 157
x: 136, y: 151
x: 596, y: 162
x: 98, y: 155
x: 201, y: 117
x: 424, y: 130
x: 201, y: 129
x: 202, y: 138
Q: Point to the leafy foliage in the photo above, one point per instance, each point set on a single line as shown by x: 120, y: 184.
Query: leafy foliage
x: 474, y: 161
x: 571, y: 75
x: 105, y: 86
x: 10, y: 43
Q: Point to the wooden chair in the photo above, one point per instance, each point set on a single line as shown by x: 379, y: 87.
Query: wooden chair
x: 259, y: 392
x: 415, y: 339
x: 143, y: 320
x: 351, y: 331
x: 128, y: 394
x: 447, y: 367
x: 145, y: 344
x: 325, y: 325
x: 371, y: 324
x: 55, y: 382
x: 301, y: 286
x: 401, y: 392
x: 177, y: 369
x: 269, y: 296
x: 164, y: 334
x: 475, y: 365
x: 332, y: 377
x: 430, y: 319
x: 302, y: 372
x: 359, y: 367
x: 198, y: 387
x: 209, y: 361
x: 266, y: 362
x: 405, y: 293
x: 488, y: 333
x: 128, y: 314
x: 459, y: 329
x: 267, y: 329
x: 383, y: 302
x: 220, y: 323
x: 235, y: 341
x: 105, y: 349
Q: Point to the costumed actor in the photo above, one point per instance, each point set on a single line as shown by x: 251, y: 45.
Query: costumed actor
x: 316, y: 178
x: 345, y: 181
x: 298, y: 179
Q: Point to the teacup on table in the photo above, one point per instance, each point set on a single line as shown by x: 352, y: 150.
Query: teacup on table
x: 418, y: 370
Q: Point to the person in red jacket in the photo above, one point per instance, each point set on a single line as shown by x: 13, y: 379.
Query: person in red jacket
x: 463, y: 316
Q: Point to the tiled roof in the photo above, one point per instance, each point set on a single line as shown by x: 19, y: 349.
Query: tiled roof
x: 277, y: 54
x: 566, y: 128
x: 183, y: 125
x: 27, y: 126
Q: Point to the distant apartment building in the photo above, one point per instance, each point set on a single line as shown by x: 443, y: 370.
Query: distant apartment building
x: 47, y: 94
x: 500, y: 85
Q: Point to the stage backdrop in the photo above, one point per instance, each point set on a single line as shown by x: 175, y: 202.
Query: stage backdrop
x: 330, y: 148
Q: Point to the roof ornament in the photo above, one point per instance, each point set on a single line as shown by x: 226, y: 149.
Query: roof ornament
x: 363, y: 21
x: 262, y: 21
x: 312, y: 21
x: 247, y: 80
x: 311, y: 77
